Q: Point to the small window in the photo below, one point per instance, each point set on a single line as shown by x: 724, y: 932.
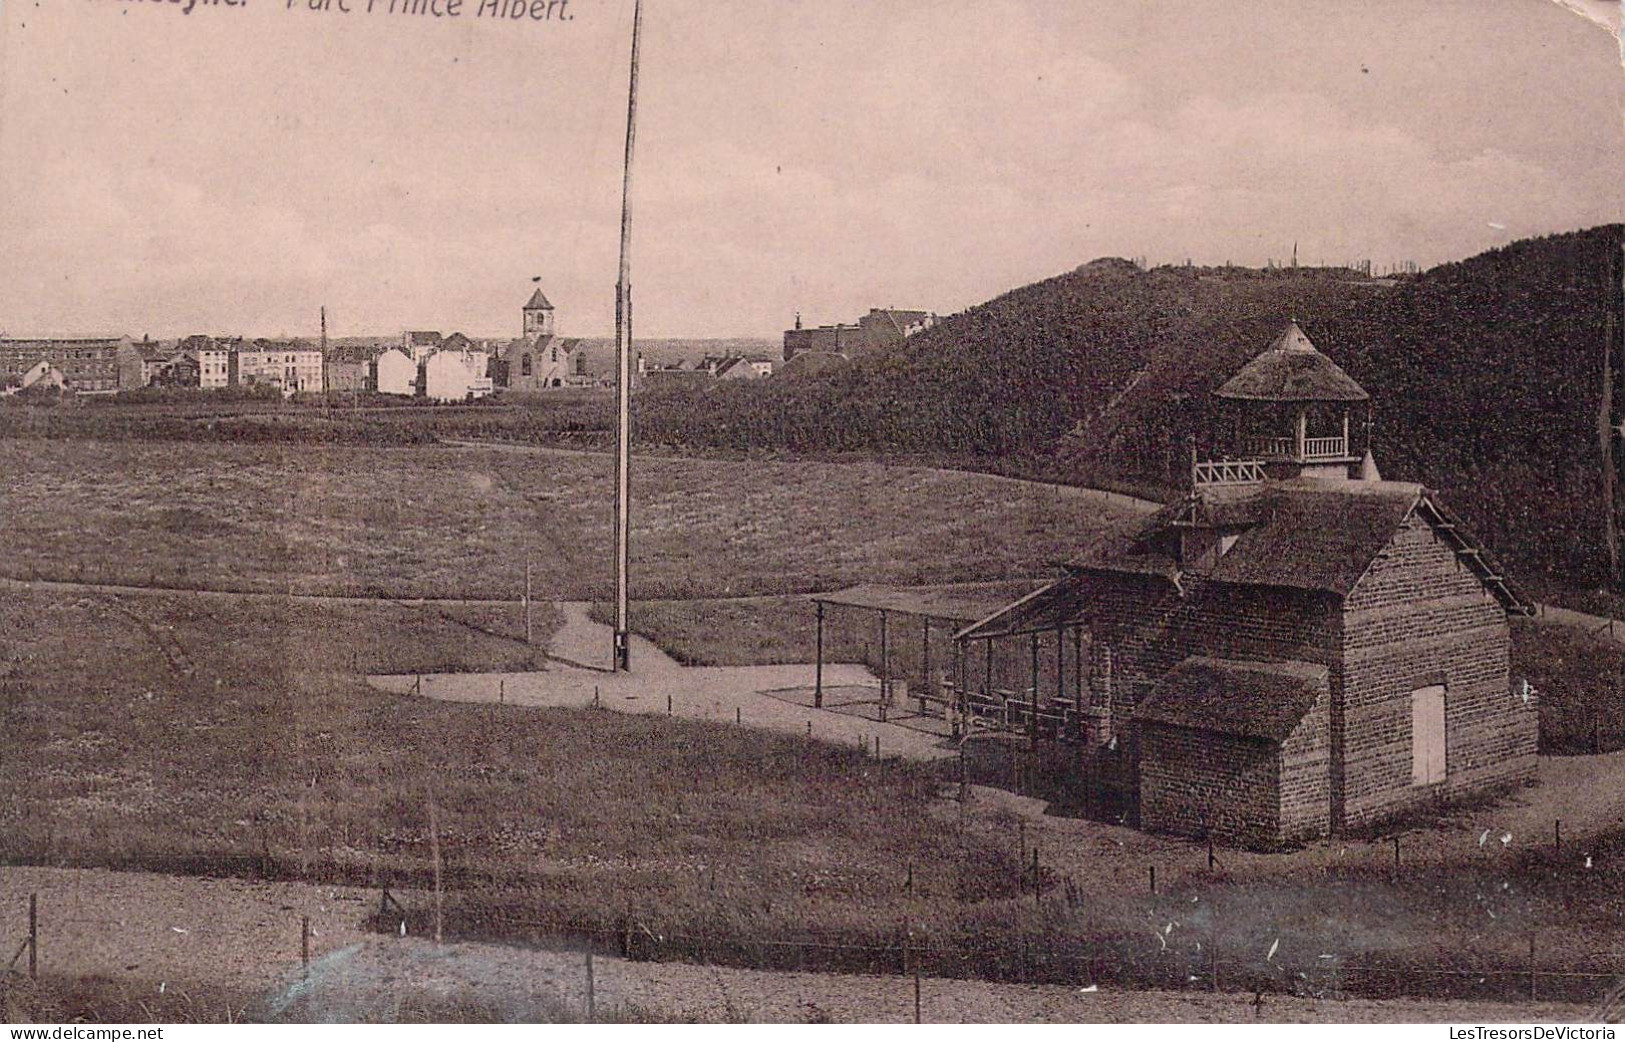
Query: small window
x: 524, y: 366
x: 1427, y: 735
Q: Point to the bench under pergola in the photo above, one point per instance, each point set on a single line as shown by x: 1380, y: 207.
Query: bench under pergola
x: 950, y: 608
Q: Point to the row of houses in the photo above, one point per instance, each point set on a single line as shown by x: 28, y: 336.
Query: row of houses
x: 424, y: 363
x: 704, y: 372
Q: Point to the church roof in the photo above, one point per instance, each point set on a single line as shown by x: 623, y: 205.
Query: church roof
x: 538, y: 301
x: 1292, y: 370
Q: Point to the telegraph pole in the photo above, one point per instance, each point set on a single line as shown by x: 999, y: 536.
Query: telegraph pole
x: 623, y: 359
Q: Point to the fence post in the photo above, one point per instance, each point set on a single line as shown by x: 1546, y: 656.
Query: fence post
x: 1557, y: 835
x: 434, y: 844
x: 1396, y: 855
x: 592, y: 1003
x: 33, y: 936
x: 304, y: 943
x: 1531, y: 967
x: 1153, y: 879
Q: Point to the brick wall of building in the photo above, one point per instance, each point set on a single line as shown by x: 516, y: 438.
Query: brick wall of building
x: 1421, y: 617
x: 1196, y: 783
x: 1305, y: 775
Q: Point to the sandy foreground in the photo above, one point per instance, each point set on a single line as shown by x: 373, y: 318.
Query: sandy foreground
x: 177, y: 932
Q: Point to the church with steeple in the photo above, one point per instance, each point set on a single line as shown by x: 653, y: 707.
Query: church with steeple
x: 540, y: 359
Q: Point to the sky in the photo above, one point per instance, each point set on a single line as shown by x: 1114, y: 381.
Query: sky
x: 234, y: 168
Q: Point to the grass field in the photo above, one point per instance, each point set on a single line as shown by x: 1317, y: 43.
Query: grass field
x: 210, y: 734
x: 447, y: 522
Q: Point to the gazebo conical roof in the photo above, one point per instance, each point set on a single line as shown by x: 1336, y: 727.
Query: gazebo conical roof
x: 1292, y: 370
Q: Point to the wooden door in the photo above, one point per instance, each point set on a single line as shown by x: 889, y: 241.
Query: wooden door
x: 1427, y: 736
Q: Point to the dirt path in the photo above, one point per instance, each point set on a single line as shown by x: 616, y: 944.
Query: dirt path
x: 1599, y: 626
x: 166, y: 931
x: 769, y: 697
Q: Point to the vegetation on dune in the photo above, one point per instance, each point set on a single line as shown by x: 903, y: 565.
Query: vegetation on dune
x: 1580, y: 681
x: 1486, y: 375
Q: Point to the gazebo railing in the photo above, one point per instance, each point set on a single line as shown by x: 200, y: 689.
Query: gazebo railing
x: 1228, y: 472
x: 1325, y: 448
x: 1288, y: 448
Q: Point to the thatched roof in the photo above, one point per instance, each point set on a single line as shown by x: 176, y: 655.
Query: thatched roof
x: 1263, y: 700
x: 1318, y: 539
x: 1308, y: 535
x: 1292, y: 370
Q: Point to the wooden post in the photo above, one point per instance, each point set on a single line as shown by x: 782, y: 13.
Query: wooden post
x: 592, y: 1010
x: 1153, y: 879
x: 668, y: 703
x: 1060, y: 666
x: 739, y: 715
x: 926, y: 686
x: 818, y: 667
x: 885, y: 678
x: 1077, y: 666
x: 502, y: 691
x: 33, y: 936
x: 917, y: 995
x: 434, y: 847
x: 1210, y: 858
x: 304, y: 943
x: 529, y: 633
x: 1032, y: 706
x: 1037, y: 890
x: 1396, y: 854
x: 962, y: 725
x: 1557, y: 835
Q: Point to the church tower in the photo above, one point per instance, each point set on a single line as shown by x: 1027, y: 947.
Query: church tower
x: 538, y: 316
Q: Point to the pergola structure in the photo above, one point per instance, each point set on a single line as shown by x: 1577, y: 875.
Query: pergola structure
x: 1034, y: 667
x: 904, y: 615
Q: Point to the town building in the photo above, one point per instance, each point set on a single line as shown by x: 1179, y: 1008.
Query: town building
x: 739, y: 367
x: 880, y: 329
x: 455, y: 376
x: 1294, y: 648
x: 87, y: 364
x: 419, y: 344
x: 292, y: 366
x: 395, y: 373
x: 216, y: 359
x: 179, y: 369
x: 540, y: 359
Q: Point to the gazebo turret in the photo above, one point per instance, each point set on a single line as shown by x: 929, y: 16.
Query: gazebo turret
x: 1286, y: 414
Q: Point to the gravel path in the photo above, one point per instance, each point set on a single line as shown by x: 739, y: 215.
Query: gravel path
x: 721, y: 694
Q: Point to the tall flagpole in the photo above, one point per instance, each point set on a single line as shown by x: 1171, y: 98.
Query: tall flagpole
x: 623, y: 359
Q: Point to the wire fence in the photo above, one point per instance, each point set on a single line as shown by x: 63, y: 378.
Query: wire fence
x: 1108, y: 960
